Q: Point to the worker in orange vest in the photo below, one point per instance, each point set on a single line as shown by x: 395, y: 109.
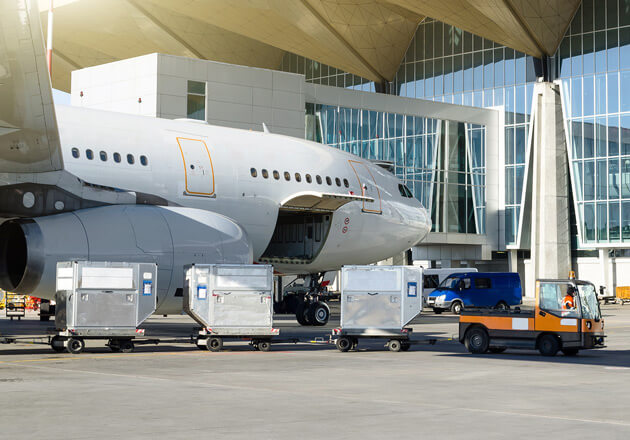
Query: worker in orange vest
x: 568, y: 302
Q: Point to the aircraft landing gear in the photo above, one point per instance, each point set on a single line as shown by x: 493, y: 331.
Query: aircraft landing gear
x: 311, y: 309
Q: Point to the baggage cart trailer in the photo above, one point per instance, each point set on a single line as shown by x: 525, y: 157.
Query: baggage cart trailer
x: 566, y: 318
x: 102, y: 300
x: 230, y: 301
x: 378, y: 302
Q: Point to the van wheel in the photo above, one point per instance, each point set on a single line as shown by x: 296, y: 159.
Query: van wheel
x: 477, y: 340
x: 437, y: 311
x: 502, y: 305
x: 548, y: 345
x: 457, y: 307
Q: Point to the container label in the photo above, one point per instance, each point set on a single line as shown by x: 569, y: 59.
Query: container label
x: 202, y: 292
x: 412, y: 289
x: 147, y: 288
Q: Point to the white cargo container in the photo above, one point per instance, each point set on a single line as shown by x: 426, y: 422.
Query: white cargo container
x: 102, y: 300
x: 230, y: 300
x: 378, y: 301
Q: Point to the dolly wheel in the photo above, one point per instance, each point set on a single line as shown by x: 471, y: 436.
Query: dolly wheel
x: 570, y: 351
x: 126, y: 346
x: 355, y: 343
x: 496, y: 349
x: 56, y: 343
x: 215, y: 344
x: 343, y: 344
x: 405, y: 346
x: 548, y: 345
x: 477, y: 340
x: 394, y: 345
x: 264, y: 346
x: 75, y: 345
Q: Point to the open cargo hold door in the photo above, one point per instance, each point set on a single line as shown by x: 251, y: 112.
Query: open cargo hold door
x: 320, y: 202
x: 368, y: 187
x: 199, y: 172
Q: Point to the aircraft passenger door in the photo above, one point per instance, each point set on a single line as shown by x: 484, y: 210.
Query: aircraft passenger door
x: 198, y: 169
x: 368, y: 187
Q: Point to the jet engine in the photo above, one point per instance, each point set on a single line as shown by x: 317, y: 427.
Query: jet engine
x: 172, y: 237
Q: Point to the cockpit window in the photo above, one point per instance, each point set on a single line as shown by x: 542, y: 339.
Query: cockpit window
x: 404, y: 191
x: 408, y: 191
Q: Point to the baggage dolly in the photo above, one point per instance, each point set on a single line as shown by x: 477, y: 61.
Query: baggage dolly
x: 73, y: 341
x: 212, y: 338
x: 397, y: 340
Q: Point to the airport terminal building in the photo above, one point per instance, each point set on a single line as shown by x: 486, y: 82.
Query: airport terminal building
x: 511, y: 126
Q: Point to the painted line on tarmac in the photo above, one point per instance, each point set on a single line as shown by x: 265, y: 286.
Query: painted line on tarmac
x: 340, y: 397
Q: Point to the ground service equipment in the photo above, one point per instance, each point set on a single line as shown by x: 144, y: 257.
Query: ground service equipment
x: 377, y: 302
x: 15, y: 305
x: 566, y: 317
x: 231, y: 301
x: 102, y: 300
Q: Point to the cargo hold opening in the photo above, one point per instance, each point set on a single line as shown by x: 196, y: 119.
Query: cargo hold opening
x: 298, y: 237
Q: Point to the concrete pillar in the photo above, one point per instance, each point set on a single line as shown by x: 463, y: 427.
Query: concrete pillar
x: 605, y: 265
x: 550, y: 233
x: 513, y: 260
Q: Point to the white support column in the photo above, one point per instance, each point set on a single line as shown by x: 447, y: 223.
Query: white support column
x: 605, y: 271
x: 550, y: 233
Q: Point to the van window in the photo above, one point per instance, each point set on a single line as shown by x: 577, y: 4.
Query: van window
x: 75, y: 153
x: 466, y: 283
x: 483, y: 283
x: 430, y: 281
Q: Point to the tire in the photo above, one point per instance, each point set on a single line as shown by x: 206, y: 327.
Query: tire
x: 264, y: 345
x: 570, y: 351
x: 301, y: 312
x: 437, y: 311
x: 405, y: 346
x: 75, y: 345
x: 318, y: 313
x: 457, y: 307
x: 394, y: 345
x: 355, y: 343
x: 126, y: 346
x: 215, y: 344
x: 203, y: 345
x: 44, y: 318
x: 502, y: 305
x: 343, y: 344
x: 56, y: 343
x: 497, y: 350
x: 548, y: 345
x: 477, y: 340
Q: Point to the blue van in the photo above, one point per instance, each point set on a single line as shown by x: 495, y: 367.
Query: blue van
x: 476, y: 289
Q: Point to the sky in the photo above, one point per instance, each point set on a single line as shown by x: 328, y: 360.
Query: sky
x: 60, y: 97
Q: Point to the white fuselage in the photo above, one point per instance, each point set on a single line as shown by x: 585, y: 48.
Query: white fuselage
x: 221, y: 180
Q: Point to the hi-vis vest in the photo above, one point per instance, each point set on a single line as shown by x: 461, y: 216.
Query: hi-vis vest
x: 567, y: 302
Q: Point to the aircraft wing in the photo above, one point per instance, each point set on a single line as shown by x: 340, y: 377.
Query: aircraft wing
x: 320, y: 201
x: 29, y: 139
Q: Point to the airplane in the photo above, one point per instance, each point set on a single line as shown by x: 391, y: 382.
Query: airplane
x: 94, y: 185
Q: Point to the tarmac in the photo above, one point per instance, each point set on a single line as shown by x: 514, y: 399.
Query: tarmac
x: 308, y: 391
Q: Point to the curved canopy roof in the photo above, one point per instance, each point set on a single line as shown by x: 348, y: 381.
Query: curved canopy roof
x: 365, y: 37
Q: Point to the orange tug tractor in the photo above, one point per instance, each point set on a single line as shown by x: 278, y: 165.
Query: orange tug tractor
x: 566, y: 317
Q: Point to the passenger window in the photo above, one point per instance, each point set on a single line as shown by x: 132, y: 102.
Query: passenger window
x: 103, y: 156
x: 130, y: 159
x: 466, y: 283
x: 328, y: 180
x: 276, y: 175
x: 89, y: 154
x: 318, y: 179
x: 298, y: 178
x: 253, y: 172
x: 265, y: 174
x: 144, y: 161
x: 483, y: 283
x: 308, y: 178
x: 75, y: 153
x: 345, y: 183
x: 338, y: 181
x: 430, y: 281
x: 117, y: 157
x: 287, y: 176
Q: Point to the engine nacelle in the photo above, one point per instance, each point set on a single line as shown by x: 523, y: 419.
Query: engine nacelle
x: 170, y: 237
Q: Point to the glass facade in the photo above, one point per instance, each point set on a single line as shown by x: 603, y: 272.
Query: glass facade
x: 442, y: 162
x: 593, y: 62
x: 446, y: 64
